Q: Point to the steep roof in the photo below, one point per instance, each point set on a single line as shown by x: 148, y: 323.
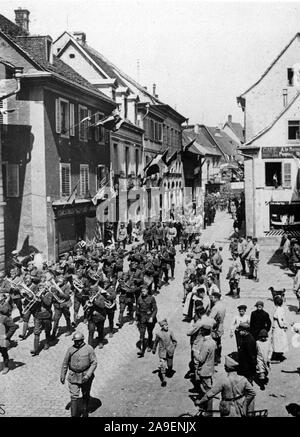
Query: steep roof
x: 227, y: 145
x: 237, y: 128
x: 208, y: 149
x: 34, y: 47
x: 270, y: 66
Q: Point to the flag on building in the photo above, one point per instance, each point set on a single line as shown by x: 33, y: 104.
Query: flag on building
x: 111, y: 122
x: 187, y: 146
x: 172, y: 158
x: 102, y: 190
x: 156, y: 164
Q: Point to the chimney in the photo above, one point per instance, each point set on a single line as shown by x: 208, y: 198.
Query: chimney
x: 196, y: 128
x: 154, y: 89
x: 80, y: 37
x: 229, y: 118
x: 22, y: 19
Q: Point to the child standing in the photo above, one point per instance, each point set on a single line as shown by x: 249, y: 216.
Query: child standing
x: 264, y: 353
x: 166, y: 343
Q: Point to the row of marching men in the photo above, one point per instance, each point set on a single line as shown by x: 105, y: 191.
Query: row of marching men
x: 90, y: 279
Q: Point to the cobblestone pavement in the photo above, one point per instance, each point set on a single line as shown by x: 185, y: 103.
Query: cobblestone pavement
x: 125, y: 385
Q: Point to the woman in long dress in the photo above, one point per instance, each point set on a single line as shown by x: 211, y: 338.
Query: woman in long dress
x: 279, y: 338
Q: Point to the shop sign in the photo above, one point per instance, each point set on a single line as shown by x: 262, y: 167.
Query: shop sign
x: 69, y: 210
x: 280, y: 152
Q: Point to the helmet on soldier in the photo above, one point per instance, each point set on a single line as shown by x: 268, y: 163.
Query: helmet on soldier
x: 78, y: 336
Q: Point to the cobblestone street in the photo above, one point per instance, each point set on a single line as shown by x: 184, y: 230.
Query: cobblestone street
x: 126, y: 385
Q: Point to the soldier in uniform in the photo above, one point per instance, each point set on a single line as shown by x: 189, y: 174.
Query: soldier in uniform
x: 172, y: 253
x: 111, y: 305
x: 15, y: 294
x: 81, y: 362
x: 157, y: 271
x: 164, y: 258
x: 146, y: 311
x: 26, y: 317
x: 7, y: 329
x: 126, y: 299
x: 217, y: 313
x: 96, y: 315
x: 81, y: 286
x: 42, y: 314
x: 62, y: 293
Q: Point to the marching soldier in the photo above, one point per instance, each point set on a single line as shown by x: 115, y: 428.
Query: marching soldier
x: 81, y: 287
x: 26, y: 317
x: 62, y: 303
x: 7, y: 329
x: 127, y: 291
x: 111, y: 305
x: 96, y: 315
x: 42, y: 313
x: 81, y: 362
x: 146, y: 311
x: 172, y: 253
x: 15, y: 294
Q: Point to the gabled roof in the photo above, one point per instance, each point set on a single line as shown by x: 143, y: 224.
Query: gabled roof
x: 34, y: 49
x: 202, y: 142
x: 227, y: 145
x: 270, y: 66
x: 237, y: 129
x: 266, y: 129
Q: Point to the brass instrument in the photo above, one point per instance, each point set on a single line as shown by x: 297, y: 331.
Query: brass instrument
x: 27, y: 292
x: 58, y: 300
x: 36, y: 298
x: 90, y: 301
x: 14, y: 283
x: 77, y: 283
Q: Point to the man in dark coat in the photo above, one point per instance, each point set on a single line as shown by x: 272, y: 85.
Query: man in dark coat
x: 247, y: 353
x: 259, y: 320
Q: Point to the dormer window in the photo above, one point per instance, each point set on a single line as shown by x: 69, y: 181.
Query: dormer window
x: 290, y: 76
x: 49, y: 53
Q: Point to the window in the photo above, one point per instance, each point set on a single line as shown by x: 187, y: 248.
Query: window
x: 10, y: 175
x: 125, y: 107
x: 101, y: 176
x: 152, y: 130
x: 294, y: 130
x: 83, y: 125
x: 71, y: 55
x: 65, y: 180
x: 84, y: 179
x: 63, y: 117
x: 273, y: 174
x: 72, y: 119
x: 290, y: 76
x: 99, y: 130
x: 287, y: 175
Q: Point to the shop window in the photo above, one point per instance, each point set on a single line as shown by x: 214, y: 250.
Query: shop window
x: 273, y: 174
x: 65, y: 180
x: 84, y: 179
x: 294, y: 130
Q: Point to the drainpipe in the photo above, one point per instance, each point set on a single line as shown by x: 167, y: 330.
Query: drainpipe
x: 254, y: 196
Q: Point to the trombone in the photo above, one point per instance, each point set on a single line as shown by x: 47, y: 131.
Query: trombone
x: 36, y: 298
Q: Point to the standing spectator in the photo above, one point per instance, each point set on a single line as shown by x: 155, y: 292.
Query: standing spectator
x: 146, y: 310
x: 296, y: 285
x: 247, y: 353
x: 264, y: 354
x: 286, y: 250
x: 122, y: 235
x: 147, y: 236
x: 259, y: 320
x: 279, y: 339
x: 242, y: 244
x: 234, y: 275
x: 7, y: 329
x: 216, y: 263
x: 129, y: 231
x: 241, y: 317
x: 254, y: 257
x: 247, y: 256
x: 172, y: 233
x: 295, y: 253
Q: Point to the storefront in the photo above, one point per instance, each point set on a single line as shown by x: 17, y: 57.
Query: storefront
x: 285, y: 215
x: 73, y: 222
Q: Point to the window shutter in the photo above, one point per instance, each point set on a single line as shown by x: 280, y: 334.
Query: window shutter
x: 57, y: 116
x: 89, y: 129
x: 65, y: 180
x: 1, y: 115
x: 84, y: 179
x: 12, y: 186
x: 287, y: 176
x: 72, y: 119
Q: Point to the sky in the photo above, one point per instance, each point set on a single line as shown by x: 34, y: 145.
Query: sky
x: 201, y: 55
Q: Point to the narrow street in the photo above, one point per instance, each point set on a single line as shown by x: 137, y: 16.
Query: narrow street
x: 124, y: 384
